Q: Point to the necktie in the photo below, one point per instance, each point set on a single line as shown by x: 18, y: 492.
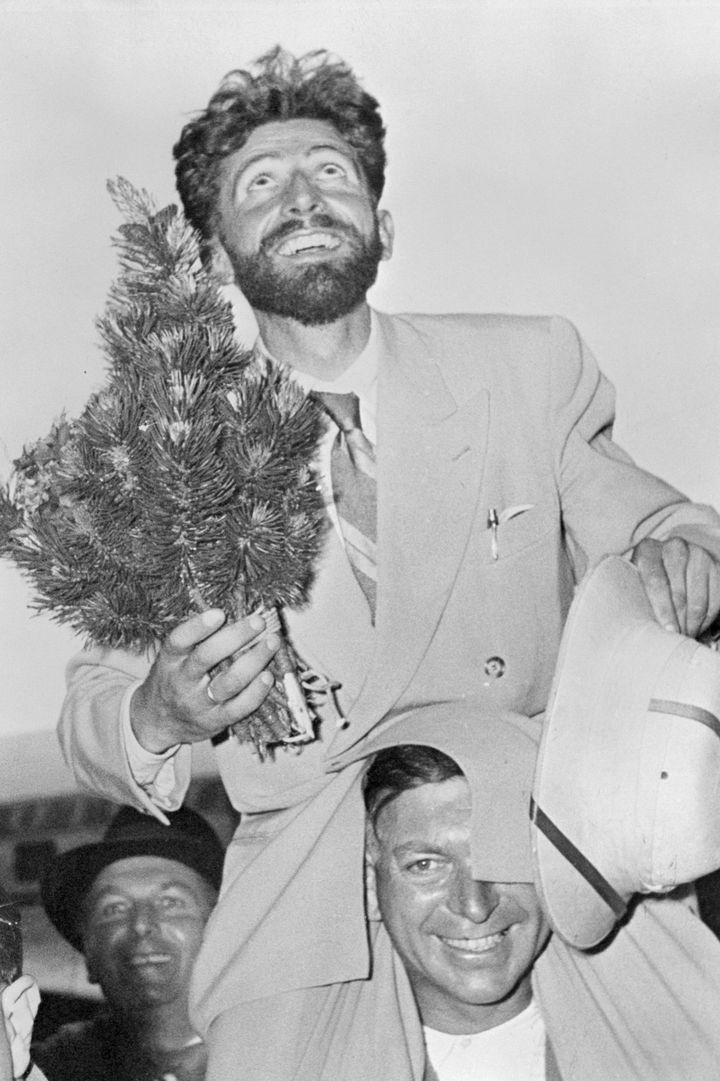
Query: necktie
x: 352, y: 467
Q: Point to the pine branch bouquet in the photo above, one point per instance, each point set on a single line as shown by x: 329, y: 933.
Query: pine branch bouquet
x: 187, y: 482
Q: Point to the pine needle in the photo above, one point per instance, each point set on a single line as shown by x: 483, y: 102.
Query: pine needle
x: 188, y: 481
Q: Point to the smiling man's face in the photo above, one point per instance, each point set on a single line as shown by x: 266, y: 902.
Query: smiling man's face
x: 468, y: 946
x: 144, y: 918
x: 297, y: 222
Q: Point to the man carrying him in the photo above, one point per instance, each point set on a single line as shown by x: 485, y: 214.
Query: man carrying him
x: 474, y: 488
x: 135, y: 904
x: 468, y: 945
x: 467, y: 980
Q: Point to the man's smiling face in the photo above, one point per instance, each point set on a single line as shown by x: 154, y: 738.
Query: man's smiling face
x: 297, y: 222
x: 468, y: 946
x: 144, y: 918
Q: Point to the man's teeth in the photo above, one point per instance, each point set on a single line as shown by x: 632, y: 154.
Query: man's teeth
x: 294, y: 245
x: 475, y: 945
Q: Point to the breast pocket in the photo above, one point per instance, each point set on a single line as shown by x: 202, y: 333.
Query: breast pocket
x: 518, y: 528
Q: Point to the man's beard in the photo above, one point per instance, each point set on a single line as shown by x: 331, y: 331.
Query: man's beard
x: 316, y: 293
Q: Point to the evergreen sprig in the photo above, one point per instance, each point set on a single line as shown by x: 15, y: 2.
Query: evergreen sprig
x: 188, y: 480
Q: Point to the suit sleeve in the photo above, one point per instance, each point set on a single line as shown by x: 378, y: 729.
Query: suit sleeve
x: 96, y: 739
x: 609, y: 503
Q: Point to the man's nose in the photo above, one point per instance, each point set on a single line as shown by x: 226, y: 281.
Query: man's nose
x: 473, y: 899
x: 144, y: 918
x: 301, y: 195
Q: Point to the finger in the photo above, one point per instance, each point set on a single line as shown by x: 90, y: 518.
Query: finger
x: 648, y: 559
x: 247, y: 701
x: 676, y: 556
x: 194, y: 630
x: 697, y: 590
x: 233, y: 638
x: 703, y: 591
x: 713, y: 608
x: 232, y: 681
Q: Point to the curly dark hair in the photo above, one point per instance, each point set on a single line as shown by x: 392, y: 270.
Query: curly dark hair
x: 394, y: 770
x: 280, y: 86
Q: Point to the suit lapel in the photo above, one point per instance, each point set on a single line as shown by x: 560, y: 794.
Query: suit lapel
x: 430, y: 458
x: 338, y: 613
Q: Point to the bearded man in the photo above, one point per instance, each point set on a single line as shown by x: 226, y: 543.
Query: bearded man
x: 470, y: 481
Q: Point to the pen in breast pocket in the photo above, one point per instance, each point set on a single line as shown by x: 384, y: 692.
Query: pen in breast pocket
x: 492, y: 523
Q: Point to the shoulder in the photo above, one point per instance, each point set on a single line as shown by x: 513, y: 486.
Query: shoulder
x: 488, y: 338
x: 517, y: 354
x: 471, y: 326
x: 70, y: 1052
x: 69, y: 1035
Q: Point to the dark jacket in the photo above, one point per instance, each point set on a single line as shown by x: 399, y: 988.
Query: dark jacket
x: 105, y: 1050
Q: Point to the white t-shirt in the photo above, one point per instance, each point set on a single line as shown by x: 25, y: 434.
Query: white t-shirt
x: 513, y: 1051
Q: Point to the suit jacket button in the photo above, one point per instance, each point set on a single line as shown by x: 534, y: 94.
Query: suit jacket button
x: 494, y: 667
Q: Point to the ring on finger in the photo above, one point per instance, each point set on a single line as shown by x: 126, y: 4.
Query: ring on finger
x: 211, y: 696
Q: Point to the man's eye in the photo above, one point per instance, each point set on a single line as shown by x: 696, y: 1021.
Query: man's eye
x: 262, y: 180
x: 331, y: 171
x: 112, y: 909
x: 424, y: 866
x: 169, y: 903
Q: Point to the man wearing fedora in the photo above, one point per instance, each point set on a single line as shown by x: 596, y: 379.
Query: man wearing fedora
x: 135, y: 904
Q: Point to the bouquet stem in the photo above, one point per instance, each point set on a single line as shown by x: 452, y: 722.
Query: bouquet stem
x: 284, y: 717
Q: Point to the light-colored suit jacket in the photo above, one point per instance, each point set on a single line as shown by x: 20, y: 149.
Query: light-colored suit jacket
x: 474, y: 413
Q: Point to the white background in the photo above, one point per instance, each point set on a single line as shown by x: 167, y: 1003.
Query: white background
x: 542, y: 158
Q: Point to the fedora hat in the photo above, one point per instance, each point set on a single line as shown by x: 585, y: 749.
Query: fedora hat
x: 187, y: 838
x: 626, y: 797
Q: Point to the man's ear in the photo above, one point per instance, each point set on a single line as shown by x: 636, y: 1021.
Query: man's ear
x: 386, y: 228
x: 219, y: 261
x: 371, y: 902
x: 371, y: 855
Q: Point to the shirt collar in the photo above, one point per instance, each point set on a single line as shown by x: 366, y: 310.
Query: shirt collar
x: 360, y: 378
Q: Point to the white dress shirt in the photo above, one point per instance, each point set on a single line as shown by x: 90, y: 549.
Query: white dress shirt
x: 360, y: 378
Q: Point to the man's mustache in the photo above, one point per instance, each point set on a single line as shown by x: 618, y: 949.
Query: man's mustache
x: 320, y: 220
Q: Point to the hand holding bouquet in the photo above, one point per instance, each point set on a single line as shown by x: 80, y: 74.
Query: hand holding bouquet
x: 187, y: 482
